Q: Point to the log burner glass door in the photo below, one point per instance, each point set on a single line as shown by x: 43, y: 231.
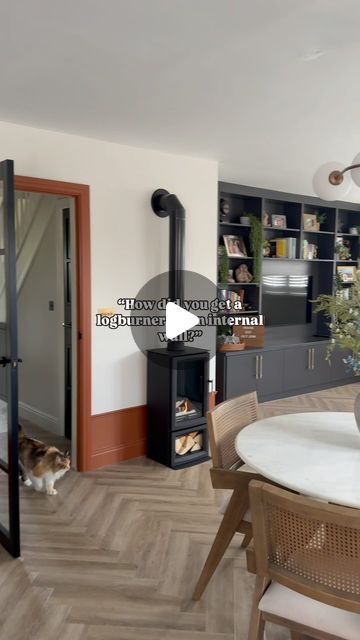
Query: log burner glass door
x: 190, y: 391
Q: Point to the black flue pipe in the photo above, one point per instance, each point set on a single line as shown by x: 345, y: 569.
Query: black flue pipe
x: 166, y: 204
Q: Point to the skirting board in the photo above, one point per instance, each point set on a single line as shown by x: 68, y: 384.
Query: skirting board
x: 117, y: 436
x: 40, y: 418
x: 120, y: 435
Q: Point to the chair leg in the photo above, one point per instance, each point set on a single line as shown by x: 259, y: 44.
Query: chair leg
x: 232, y: 517
x: 257, y: 623
x: 247, y: 539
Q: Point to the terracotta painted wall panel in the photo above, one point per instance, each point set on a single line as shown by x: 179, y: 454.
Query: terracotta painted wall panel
x: 117, y: 436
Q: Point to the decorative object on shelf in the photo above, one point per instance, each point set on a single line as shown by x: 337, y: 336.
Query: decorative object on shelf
x: 344, y: 323
x: 310, y: 250
x: 344, y: 293
x: 266, y: 219
x: 256, y: 241
x: 233, y: 296
x: 321, y: 217
x: 244, y: 220
x: 230, y: 278
x: 346, y: 273
x: 242, y: 274
x: 266, y: 249
x: 354, y: 231
x: 310, y: 222
x: 332, y: 181
x: 235, y: 246
x: 253, y: 337
x: 278, y: 221
x: 224, y: 264
x: 224, y: 210
x: 342, y: 249
x: 230, y: 343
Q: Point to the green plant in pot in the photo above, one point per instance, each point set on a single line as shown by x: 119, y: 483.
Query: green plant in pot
x: 321, y: 217
x: 342, y: 251
x: 225, y: 336
x: 343, y: 315
x: 224, y: 264
x: 256, y: 244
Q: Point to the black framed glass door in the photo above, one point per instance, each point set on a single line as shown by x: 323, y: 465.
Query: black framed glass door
x: 9, y: 465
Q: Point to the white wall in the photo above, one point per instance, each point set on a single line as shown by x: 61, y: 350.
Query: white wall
x: 122, y: 180
x: 42, y: 370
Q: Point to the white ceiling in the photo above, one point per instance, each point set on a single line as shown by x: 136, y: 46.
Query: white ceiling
x: 269, y: 88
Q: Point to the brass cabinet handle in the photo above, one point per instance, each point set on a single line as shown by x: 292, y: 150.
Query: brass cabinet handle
x: 261, y: 367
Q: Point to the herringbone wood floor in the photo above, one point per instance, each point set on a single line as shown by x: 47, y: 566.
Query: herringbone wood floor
x: 116, y: 554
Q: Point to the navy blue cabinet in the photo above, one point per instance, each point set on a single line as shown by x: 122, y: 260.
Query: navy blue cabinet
x: 279, y: 372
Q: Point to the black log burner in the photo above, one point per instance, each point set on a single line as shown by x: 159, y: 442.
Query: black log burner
x: 177, y: 376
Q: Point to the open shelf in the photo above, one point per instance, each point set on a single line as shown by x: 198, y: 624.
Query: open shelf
x: 222, y: 285
x: 347, y: 261
x: 234, y: 224
x: 238, y: 258
x: 298, y: 260
x: 280, y: 229
x: 349, y: 235
x: 320, y: 271
x: 330, y: 233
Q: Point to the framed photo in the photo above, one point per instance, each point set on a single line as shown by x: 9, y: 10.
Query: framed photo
x: 278, y: 221
x: 310, y: 222
x: 346, y: 273
x: 235, y: 246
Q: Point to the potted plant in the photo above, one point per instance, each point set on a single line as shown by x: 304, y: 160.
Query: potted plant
x: 227, y: 341
x: 342, y: 251
x: 256, y: 243
x: 321, y: 217
x: 344, y: 323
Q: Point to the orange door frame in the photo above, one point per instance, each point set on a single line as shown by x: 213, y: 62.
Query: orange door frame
x: 81, y: 195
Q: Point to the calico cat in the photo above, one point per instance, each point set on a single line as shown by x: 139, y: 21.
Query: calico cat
x: 41, y: 465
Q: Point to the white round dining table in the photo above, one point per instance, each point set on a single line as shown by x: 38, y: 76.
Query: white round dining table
x: 316, y: 454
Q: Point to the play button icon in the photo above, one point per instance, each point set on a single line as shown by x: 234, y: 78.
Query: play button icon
x: 178, y: 320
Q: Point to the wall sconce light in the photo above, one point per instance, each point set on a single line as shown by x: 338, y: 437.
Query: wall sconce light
x: 332, y: 181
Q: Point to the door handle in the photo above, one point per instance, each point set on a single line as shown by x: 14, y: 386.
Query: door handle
x: 257, y: 368
x: 261, y: 367
x: 67, y: 325
x: 4, y: 361
x: 309, y: 359
x: 313, y: 358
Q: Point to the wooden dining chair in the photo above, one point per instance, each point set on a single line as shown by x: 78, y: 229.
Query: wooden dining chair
x: 229, y: 472
x: 307, y: 557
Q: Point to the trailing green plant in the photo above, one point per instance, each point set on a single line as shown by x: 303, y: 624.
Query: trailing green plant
x: 224, y: 264
x: 256, y: 244
x: 343, y: 315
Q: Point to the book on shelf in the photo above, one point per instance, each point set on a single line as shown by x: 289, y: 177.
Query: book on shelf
x: 283, y: 248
